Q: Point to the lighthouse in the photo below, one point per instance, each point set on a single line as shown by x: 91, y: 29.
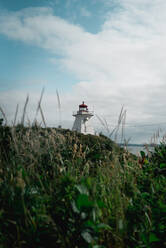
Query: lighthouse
x: 82, y: 117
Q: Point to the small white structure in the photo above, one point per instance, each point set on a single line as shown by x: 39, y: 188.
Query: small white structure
x: 82, y: 117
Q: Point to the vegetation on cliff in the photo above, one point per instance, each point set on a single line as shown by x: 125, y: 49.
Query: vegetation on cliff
x: 66, y: 189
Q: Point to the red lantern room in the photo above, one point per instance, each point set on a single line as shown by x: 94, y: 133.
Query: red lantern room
x: 83, y: 107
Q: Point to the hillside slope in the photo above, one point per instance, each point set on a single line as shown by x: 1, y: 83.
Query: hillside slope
x: 72, y: 190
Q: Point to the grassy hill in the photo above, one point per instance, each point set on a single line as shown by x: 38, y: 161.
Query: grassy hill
x: 66, y: 189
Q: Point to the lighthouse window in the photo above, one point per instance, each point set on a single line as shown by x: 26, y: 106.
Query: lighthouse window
x: 83, y: 109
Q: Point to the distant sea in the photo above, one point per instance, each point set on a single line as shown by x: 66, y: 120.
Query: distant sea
x: 135, y: 149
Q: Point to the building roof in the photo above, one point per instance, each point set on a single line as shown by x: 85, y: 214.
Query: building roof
x: 83, y: 105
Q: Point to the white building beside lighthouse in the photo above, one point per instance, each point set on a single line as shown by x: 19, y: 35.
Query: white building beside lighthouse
x: 82, y: 120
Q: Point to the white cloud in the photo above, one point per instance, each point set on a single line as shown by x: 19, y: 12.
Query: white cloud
x: 40, y: 27
x: 122, y: 64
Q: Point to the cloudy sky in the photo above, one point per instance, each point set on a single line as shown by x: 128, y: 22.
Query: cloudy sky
x: 108, y: 53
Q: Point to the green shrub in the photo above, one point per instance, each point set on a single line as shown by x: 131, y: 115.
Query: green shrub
x: 73, y: 190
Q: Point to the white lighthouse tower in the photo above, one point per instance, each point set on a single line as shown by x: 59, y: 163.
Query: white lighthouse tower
x: 82, y: 117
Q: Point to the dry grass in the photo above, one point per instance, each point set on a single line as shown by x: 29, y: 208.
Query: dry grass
x: 119, y: 130
x: 40, y: 175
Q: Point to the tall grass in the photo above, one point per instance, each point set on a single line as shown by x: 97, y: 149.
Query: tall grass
x: 119, y: 130
x: 38, y: 162
x: 59, y: 109
x: 73, y: 190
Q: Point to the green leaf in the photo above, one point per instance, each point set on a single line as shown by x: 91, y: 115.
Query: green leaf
x: 74, y: 207
x: 162, y: 165
x: 83, y: 201
x: 100, y: 204
x: 153, y: 238
x: 87, y: 236
x: 144, y: 238
x: 89, y: 223
x: 104, y: 226
x: 89, y: 181
x: 82, y: 189
x: 142, y: 154
x: 98, y: 246
x: 162, y: 227
x: 97, y: 156
x: 145, y: 195
x: 94, y: 214
x: 120, y: 224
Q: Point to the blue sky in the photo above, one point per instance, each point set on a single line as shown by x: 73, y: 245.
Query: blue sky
x: 21, y: 62
x: 89, y: 14
x: 108, y: 53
